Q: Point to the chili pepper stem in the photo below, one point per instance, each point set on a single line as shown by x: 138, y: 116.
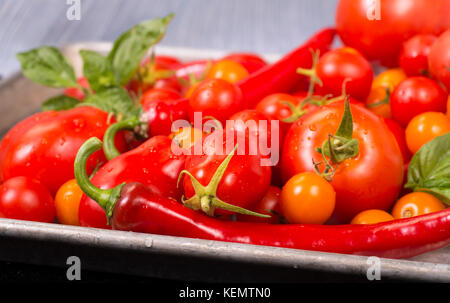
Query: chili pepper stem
x: 133, y: 123
x: 106, y: 198
x: 205, y: 197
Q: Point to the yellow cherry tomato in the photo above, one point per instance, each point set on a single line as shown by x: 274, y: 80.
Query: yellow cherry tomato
x: 307, y: 198
x: 389, y: 78
x: 228, y: 70
x: 416, y: 204
x: 372, y: 216
x: 67, y: 200
x: 378, y: 102
x: 424, y: 128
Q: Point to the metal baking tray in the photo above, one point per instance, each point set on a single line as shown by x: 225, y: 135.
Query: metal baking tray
x: 179, y: 258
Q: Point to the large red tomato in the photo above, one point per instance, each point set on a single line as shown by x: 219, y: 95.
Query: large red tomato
x: 370, y: 179
x: 379, y: 28
x: 439, y: 59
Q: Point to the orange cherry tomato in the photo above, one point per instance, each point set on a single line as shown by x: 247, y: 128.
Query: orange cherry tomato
x: 228, y: 70
x: 307, y: 198
x: 190, y: 90
x: 389, y: 78
x: 424, y: 128
x: 372, y: 216
x: 67, y: 200
x: 186, y: 136
x: 416, y: 204
x: 378, y: 102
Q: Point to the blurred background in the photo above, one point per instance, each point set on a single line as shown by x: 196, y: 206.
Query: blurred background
x: 263, y: 26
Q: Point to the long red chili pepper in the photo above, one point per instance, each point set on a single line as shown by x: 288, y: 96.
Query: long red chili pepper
x: 282, y: 75
x: 135, y: 207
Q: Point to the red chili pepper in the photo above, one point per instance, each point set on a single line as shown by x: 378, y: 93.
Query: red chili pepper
x: 282, y: 75
x: 153, y: 163
x: 135, y: 207
x: 44, y: 145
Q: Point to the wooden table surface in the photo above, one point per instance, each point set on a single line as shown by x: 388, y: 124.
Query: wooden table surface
x: 269, y: 26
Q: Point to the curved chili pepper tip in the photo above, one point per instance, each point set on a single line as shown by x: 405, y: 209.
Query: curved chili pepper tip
x: 106, y: 198
x: 109, y: 148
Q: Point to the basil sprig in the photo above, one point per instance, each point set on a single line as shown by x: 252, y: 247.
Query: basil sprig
x: 46, y: 65
x: 429, y: 170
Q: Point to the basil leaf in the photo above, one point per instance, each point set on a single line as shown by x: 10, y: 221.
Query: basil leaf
x: 129, y: 49
x: 47, y: 66
x: 97, y: 69
x: 114, y: 100
x: 62, y: 102
x: 429, y: 170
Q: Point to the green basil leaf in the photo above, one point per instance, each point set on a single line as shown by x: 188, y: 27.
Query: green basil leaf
x: 129, y: 49
x: 429, y: 170
x: 62, y: 102
x: 97, y: 69
x: 114, y: 100
x: 47, y: 66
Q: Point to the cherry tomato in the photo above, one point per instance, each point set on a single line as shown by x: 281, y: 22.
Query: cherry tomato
x: 400, y: 136
x: 67, y: 201
x: 23, y: 198
x: 448, y: 106
x: 307, y: 198
x: 424, y: 128
x: 336, y: 66
x: 439, y: 59
x: 75, y: 92
x: 274, y: 107
x: 171, y: 83
x: 379, y: 28
x: 187, y: 136
x: 244, y: 182
x: 378, y: 102
x: 217, y: 98
x: 416, y: 204
x: 251, y: 62
x: 414, y: 96
x: 414, y: 55
x: 389, y: 78
x: 269, y: 205
x: 162, y: 107
x: 372, y: 216
x: 228, y: 70
x: 370, y: 180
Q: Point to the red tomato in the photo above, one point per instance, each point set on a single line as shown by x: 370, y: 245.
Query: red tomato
x: 371, y: 179
x: 162, y: 107
x: 414, y: 96
x: 439, y: 59
x: 399, y: 134
x: 217, y: 98
x: 251, y: 62
x: 274, y: 107
x: 244, y: 182
x: 75, y: 92
x: 171, y: 83
x: 269, y: 205
x: 344, y: 63
x: 414, y: 55
x: 23, y: 198
x: 379, y: 31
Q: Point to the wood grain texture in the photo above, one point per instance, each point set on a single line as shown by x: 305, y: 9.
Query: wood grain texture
x: 269, y: 26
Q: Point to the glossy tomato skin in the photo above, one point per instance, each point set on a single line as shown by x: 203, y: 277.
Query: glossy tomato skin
x: 161, y: 108
x: 270, y: 205
x: 381, y: 38
x: 44, y: 145
x: 340, y: 64
x: 24, y: 198
x: 245, y: 181
x: 416, y: 95
x: 372, y: 179
x: 414, y: 55
x: 439, y: 59
x: 228, y: 70
x: 217, y: 98
x: 400, y: 136
x: 153, y: 164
